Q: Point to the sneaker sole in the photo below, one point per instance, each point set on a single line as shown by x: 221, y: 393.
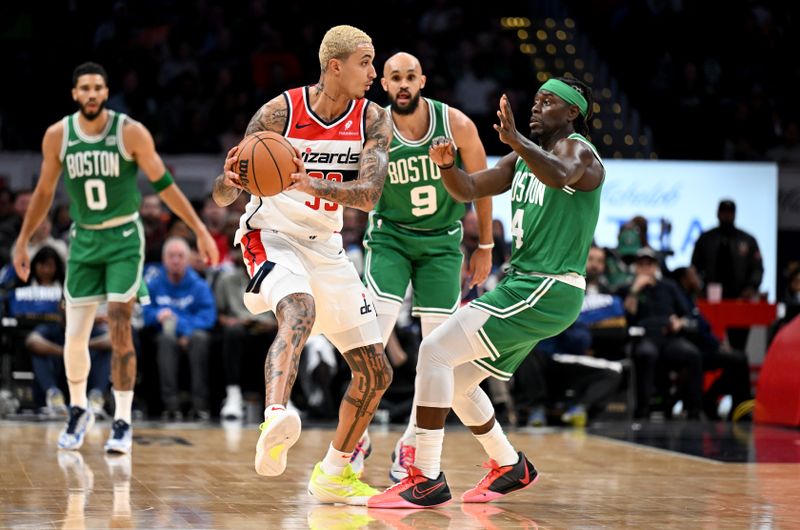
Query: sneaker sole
x: 402, y: 503
x: 89, y: 425
x: 489, y: 496
x: 328, y: 498
x: 117, y: 450
x: 282, y: 435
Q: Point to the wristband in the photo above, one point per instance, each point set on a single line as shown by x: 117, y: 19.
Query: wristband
x: 487, y: 246
x: 448, y: 167
x: 164, y: 182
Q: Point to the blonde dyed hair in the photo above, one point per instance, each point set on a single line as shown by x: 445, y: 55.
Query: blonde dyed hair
x: 339, y: 42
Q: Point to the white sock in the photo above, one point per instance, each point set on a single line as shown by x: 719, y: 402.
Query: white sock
x: 123, y: 403
x: 233, y: 390
x: 271, y: 410
x: 335, y: 461
x: 77, y: 394
x: 428, y: 457
x: 497, y: 446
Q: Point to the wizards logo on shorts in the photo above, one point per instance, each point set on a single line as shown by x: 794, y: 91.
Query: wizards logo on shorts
x: 366, y: 308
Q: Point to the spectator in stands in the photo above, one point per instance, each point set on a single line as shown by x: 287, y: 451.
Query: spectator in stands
x: 182, y: 309
x: 734, y: 379
x: 10, y: 226
x: 214, y: 217
x: 729, y: 256
x: 596, y: 279
x: 564, y: 365
x: 61, y: 221
x: 38, y: 304
x: 656, y: 304
x: 155, y: 220
x: 41, y: 238
x: 619, y: 261
x: 240, y: 330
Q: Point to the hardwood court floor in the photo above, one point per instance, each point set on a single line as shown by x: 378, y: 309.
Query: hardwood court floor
x: 182, y: 476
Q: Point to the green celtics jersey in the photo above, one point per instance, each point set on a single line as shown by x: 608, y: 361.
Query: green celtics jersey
x: 413, y: 194
x: 99, y: 174
x: 551, y: 228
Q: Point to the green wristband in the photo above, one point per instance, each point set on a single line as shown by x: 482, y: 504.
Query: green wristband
x: 163, y: 183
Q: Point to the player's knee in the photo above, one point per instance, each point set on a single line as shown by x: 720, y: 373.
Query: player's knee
x: 371, y: 369
x: 432, y: 352
x: 119, y: 314
x: 296, y: 312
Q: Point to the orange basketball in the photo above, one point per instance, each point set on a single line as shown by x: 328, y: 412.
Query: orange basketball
x: 265, y: 163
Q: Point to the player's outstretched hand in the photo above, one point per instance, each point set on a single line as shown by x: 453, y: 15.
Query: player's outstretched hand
x: 231, y: 176
x: 442, y: 152
x: 507, y: 129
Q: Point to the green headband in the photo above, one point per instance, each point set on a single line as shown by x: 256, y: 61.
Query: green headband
x: 567, y: 93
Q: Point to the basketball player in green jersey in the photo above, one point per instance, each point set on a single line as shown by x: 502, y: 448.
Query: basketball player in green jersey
x: 99, y: 152
x: 414, y: 233
x: 555, y: 180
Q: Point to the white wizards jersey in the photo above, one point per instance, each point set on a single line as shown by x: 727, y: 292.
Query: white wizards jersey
x: 330, y: 150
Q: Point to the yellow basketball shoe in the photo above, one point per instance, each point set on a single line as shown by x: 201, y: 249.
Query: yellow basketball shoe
x: 344, y: 489
x: 278, y: 434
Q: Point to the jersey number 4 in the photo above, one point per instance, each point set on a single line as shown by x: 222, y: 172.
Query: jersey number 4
x: 516, y: 228
x: 328, y: 206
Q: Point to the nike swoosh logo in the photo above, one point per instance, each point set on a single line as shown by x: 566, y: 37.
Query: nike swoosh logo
x: 421, y: 494
x: 301, y: 125
x: 527, y: 477
x: 73, y: 142
x: 126, y: 233
x: 453, y: 231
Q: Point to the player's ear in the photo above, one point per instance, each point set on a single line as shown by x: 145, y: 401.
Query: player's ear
x: 384, y: 84
x: 573, y: 113
x: 335, y: 66
x: 422, y: 80
x: 74, y: 94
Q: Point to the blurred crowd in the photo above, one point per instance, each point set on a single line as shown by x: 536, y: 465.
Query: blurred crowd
x: 195, y: 71
x: 713, y: 82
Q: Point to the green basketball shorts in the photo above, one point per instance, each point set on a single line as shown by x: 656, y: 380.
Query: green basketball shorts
x: 431, y: 260
x: 105, y: 265
x: 522, y: 311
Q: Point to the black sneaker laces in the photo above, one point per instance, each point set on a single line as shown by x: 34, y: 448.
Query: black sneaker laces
x: 75, y: 414
x: 119, y: 427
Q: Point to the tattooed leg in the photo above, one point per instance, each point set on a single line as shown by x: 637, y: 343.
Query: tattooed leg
x: 296, y: 314
x: 123, y: 356
x: 372, y: 375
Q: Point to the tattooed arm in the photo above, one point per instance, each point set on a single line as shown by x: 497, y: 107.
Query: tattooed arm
x: 364, y: 192
x: 271, y: 117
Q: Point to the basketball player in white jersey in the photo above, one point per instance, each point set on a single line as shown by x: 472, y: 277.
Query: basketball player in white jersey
x: 293, y: 252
